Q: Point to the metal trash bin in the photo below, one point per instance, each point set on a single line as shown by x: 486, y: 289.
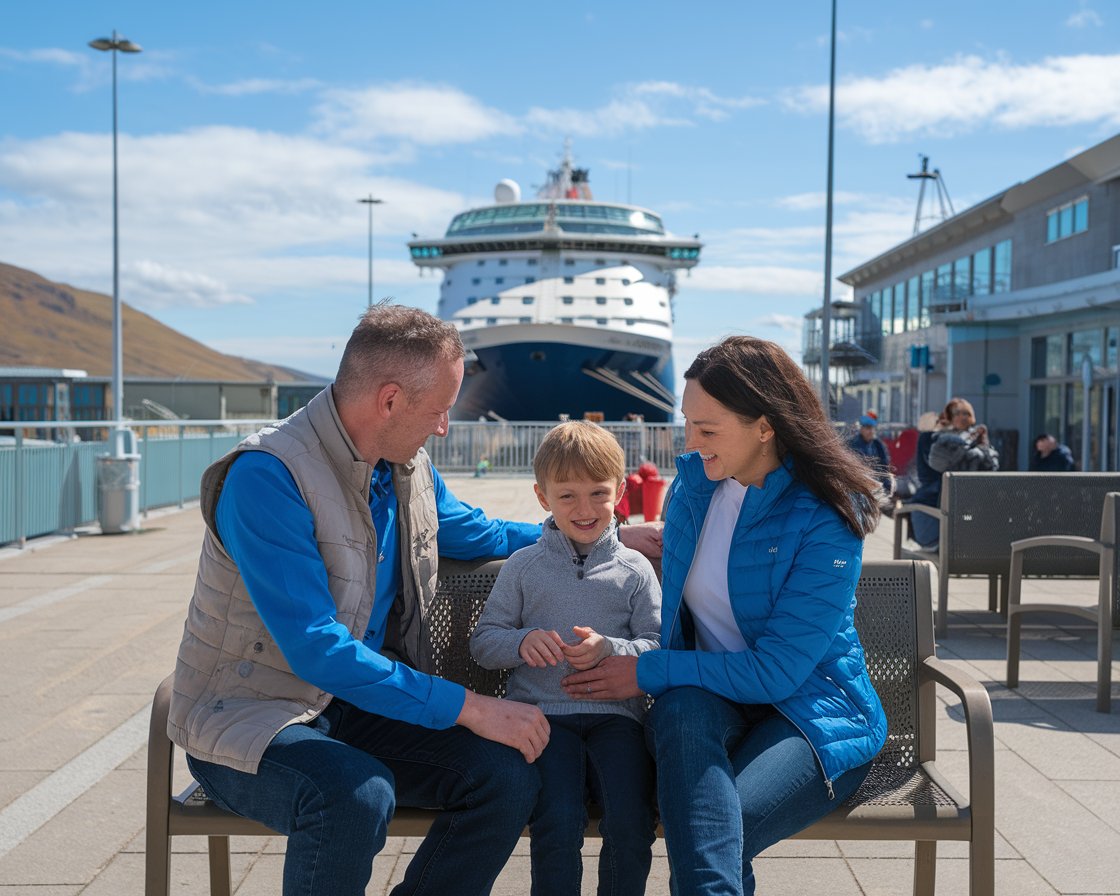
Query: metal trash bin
x: 118, y: 493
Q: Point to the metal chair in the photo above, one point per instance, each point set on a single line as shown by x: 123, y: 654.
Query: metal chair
x: 1102, y: 614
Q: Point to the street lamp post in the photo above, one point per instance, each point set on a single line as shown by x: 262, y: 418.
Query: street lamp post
x: 113, y: 45
x: 826, y: 309
x: 371, y: 202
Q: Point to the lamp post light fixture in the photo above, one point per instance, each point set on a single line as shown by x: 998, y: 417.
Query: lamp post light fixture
x: 371, y: 202
x: 114, y: 45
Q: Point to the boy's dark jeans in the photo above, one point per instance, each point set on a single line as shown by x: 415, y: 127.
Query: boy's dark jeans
x: 603, y: 754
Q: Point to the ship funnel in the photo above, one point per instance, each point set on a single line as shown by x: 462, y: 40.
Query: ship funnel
x: 507, y: 191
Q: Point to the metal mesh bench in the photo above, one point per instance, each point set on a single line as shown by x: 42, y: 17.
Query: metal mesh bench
x: 904, y: 796
x: 982, y: 513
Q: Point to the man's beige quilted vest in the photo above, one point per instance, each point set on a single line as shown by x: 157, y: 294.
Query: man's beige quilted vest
x: 233, y: 689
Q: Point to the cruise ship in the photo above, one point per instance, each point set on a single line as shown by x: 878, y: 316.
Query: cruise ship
x: 564, y: 303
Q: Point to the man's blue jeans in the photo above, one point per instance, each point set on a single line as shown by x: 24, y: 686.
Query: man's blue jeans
x: 332, y: 785
x: 732, y: 780
x: 606, y: 754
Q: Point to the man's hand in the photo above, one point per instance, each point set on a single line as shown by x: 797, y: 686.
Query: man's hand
x: 592, y: 648
x: 516, y: 725
x: 645, y: 538
x: 540, y: 648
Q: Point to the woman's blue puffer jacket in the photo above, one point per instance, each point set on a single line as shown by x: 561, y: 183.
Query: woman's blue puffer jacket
x: 792, y: 575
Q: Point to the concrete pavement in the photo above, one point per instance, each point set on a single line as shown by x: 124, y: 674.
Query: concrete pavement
x: 89, y: 625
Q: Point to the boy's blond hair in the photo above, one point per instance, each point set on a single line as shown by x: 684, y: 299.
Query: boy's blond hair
x: 579, y: 450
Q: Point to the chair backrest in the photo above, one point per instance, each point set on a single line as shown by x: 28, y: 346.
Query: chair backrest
x: 894, y: 618
x: 461, y: 593
x: 985, y: 512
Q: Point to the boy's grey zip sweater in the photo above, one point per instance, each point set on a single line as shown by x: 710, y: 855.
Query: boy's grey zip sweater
x: 549, y: 586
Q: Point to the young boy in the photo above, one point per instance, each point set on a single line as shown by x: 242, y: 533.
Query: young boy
x: 559, y: 606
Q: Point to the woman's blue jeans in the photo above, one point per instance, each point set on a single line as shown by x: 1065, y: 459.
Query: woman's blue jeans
x: 332, y: 785
x: 732, y: 779
x: 606, y: 754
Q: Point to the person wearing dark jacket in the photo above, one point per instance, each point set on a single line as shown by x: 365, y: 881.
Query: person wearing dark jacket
x: 867, y: 444
x: 1051, y: 456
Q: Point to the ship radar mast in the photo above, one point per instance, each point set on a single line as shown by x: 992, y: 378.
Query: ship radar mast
x: 942, y: 194
x: 566, y: 182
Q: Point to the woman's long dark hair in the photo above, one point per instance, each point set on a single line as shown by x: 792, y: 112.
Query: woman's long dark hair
x: 753, y: 378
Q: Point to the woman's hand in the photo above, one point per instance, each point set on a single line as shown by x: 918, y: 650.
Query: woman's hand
x: 645, y: 538
x: 615, y: 678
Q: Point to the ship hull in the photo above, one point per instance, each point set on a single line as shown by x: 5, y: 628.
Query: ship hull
x: 545, y: 371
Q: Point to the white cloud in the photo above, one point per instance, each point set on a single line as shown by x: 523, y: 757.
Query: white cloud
x: 969, y: 93
x: 756, y: 280
x: 50, y: 55
x: 258, y: 86
x: 801, y: 202
x: 419, y: 113
x: 786, y: 322
x: 154, y: 285
x: 1084, y: 18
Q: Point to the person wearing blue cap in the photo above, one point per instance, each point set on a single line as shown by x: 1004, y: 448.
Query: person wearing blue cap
x: 869, y: 446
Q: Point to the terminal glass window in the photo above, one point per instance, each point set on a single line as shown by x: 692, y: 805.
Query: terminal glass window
x: 1048, y: 356
x: 913, y: 316
x: 929, y: 279
x: 899, y: 308
x: 885, y: 320
x: 1068, y: 219
x: 944, y: 290
x: 962, y: 278
x: 982, y: 272
x: 1111, y: 338
x: 1085, y: 344
x: 1001, y: 266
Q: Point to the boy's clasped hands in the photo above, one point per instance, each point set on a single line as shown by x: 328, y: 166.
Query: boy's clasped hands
x: 540, y: 648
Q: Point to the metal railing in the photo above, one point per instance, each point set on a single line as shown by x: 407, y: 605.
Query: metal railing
x: 51, y: 486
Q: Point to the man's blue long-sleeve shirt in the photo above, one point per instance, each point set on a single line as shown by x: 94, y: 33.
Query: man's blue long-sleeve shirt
x: 268, y: 530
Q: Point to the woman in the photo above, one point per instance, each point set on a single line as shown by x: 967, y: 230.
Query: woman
x: 958, y: 444
x: 764, y: 718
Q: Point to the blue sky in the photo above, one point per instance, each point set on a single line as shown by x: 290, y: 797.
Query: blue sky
x: 249, y: 130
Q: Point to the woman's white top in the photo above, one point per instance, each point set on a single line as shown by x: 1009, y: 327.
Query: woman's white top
x: 705, y: 589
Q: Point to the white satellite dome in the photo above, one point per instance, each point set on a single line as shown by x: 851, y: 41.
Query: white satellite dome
x: 507, y: 191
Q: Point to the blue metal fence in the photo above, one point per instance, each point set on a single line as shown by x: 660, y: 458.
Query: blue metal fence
x: 50, y: 486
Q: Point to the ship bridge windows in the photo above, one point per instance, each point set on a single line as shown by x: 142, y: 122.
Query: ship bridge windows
x: 682, y: 252
x: 426, y: 251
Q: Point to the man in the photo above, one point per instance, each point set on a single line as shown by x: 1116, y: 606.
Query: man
x: 1051, y: 456
x: 871, y: 448
x: 302, y: 695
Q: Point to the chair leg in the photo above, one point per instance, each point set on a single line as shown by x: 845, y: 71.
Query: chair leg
x: 925, y: 867
x: 221, y: 879
x: 993, y: 594
x: 157, y: 863
x: 1014, y: 618
x: 982, y: 861
x: 1104, y: 644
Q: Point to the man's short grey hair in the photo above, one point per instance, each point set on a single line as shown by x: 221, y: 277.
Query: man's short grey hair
x: 395, y: 344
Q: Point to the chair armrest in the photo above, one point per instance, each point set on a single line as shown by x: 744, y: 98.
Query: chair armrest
x: 1078, y: 542
x: 901, y: 511
x: 979, y: 732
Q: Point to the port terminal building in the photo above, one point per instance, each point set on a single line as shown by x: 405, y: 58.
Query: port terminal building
x: 1012, y: 304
